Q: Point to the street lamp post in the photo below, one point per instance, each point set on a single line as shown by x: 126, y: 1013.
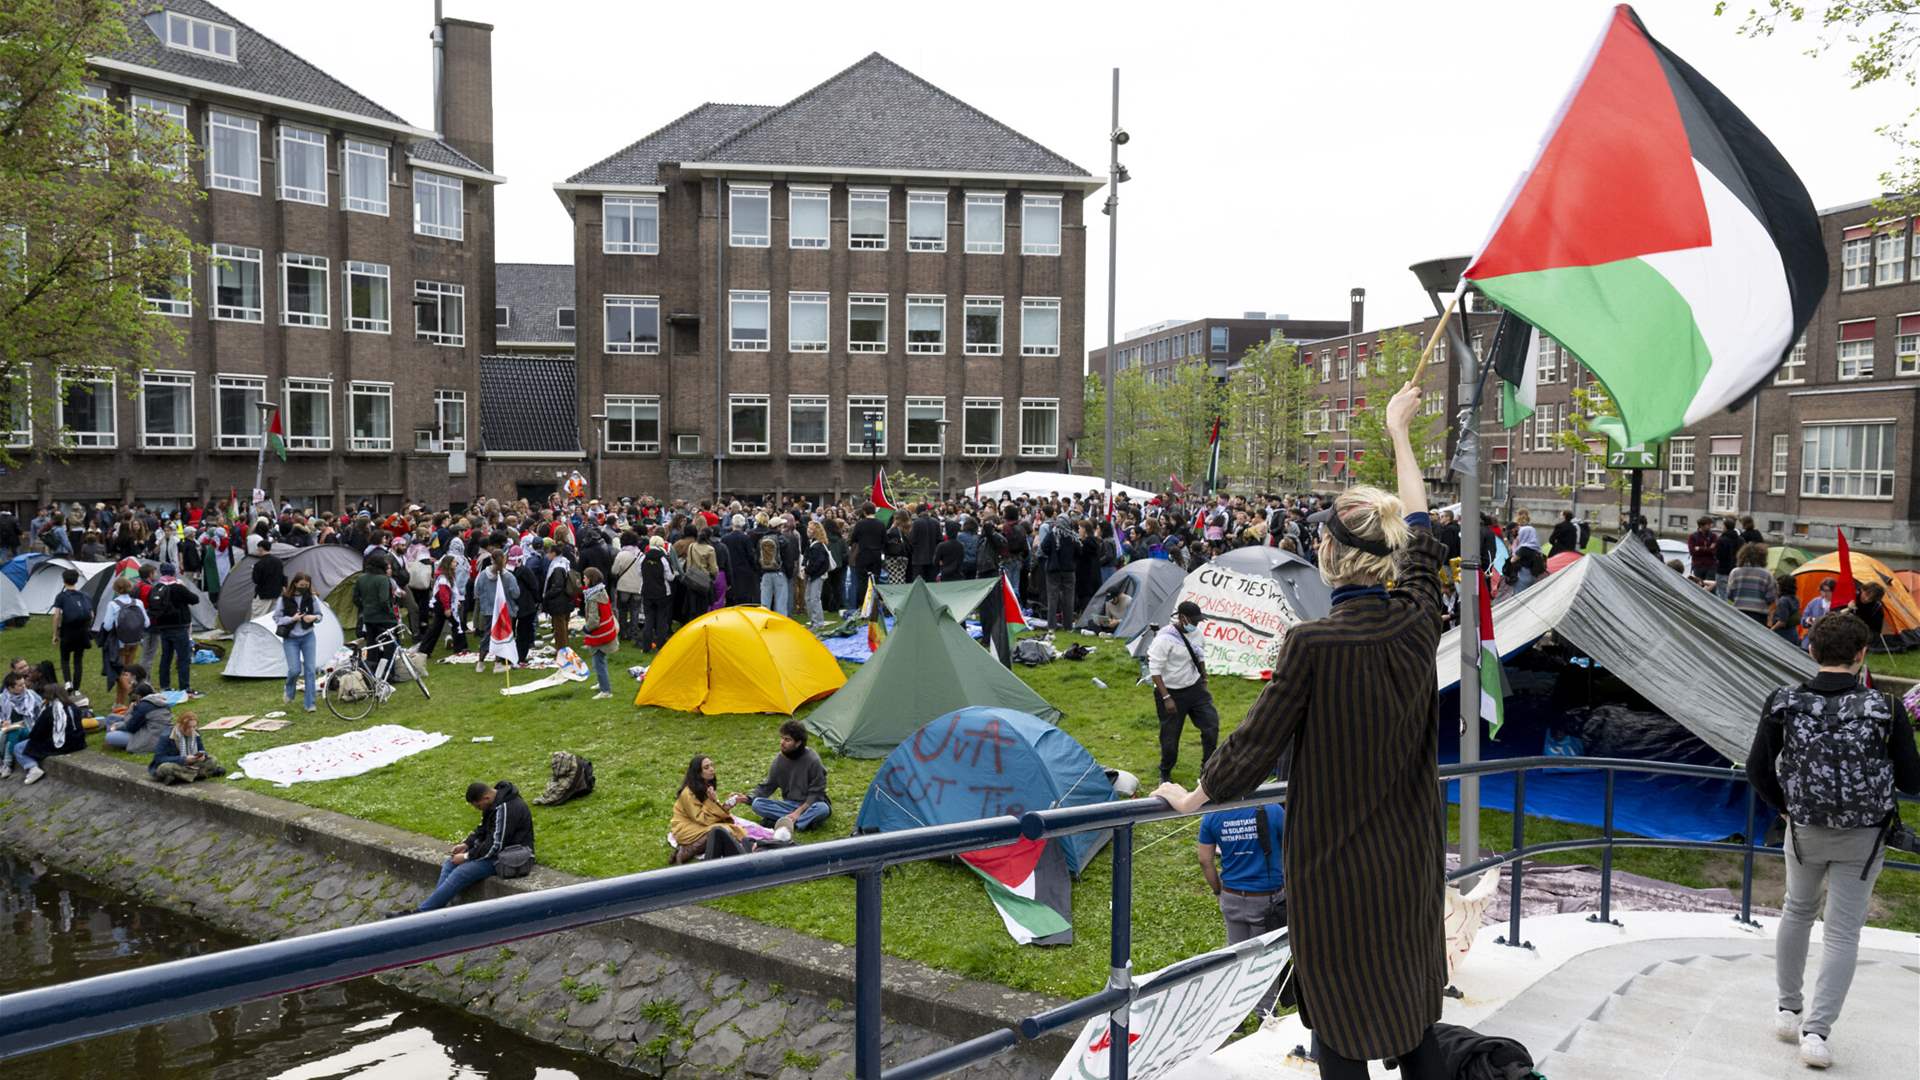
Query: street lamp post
x: 254, y: 497
x: 599, y: 446
x: 1116, y: 175
x: 943, y: 424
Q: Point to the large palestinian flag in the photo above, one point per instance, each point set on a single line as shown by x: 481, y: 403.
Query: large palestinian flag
x: 1660, y: 237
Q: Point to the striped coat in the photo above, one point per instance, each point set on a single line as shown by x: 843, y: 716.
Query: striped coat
x: 1353, y: 696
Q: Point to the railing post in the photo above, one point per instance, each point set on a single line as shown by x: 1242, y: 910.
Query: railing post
x: 1746, y: 869
x: 1518, y: 879
x: 1606, y: 859
x: 866, y: 974
x: 1120, y: 954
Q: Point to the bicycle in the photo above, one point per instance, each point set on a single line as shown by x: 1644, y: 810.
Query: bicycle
x: 354, y: 688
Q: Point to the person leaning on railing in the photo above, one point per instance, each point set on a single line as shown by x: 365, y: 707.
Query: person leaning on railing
x: 1352, y: 699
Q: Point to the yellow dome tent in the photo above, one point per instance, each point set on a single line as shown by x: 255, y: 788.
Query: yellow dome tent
x: 740, y: 660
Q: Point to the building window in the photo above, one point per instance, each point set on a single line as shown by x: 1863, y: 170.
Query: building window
x: 867, y: 425
x: 984, y: 315
x: 1219, y: 340
x: 450, y: 410
x: 807, y: 321
x: 632, y: 324
x: 633, y: 424
x: 502, y: 317
x: 986, y: 223
x: 166, y: 410
x: 807, y: 426
x: 370, y: 297
x: 927, y: 325
x: 309, y: 419
x: 866, y: 322
x: 370, y: 416
x: 1723, y: 496
x: 303, y: 165
x: 363, y: 170
x: 236, y: 400
x: 1040, y: 225
x: 168, y: 294
x: 1906, y: 346
x: 749, y: 215
x: 303, y: 291
x: 563, y: 318
x: 438, y: 203
x: 153, y: 116
x: 1793, y: 369
x: 1039, y: 327
x: 980, y: 427
x: 440, y: 312
x: 1549, y: 360
x: 1856, y: 349
x: 746, y: 320
x: 19, y: 418
x: 86, y: 419
x: 1890, y: 257
x: 747, y: 424
x: 1856, y: 255
x: 1777, y: 483
x: 809, y: 222
x: 188, y: 34
x: 1326, y: 365
x: 630, y: 226
x: 1680, y: 463
x: 1039, y: 427
x: 926, y: 418
x: 926, y: 221
x: 233, y: 152
x: 867, y: 218
x: 236, y: 283
x: 1848, y: 461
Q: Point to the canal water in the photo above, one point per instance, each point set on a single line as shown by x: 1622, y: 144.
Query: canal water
x: 60, y: 929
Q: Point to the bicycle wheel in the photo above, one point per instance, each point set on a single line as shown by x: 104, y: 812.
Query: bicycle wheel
x: 348, y: 693
x: 419, y: 676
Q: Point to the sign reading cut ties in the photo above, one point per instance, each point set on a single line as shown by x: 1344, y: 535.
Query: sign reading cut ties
x: 1247, y: 617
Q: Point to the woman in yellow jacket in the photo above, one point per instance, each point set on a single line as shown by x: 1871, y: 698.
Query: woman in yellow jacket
x: 703, y: 825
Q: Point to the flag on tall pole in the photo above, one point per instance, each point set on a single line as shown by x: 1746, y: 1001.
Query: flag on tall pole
x: 1660, y: 236
x: 882, y: 507
x: 1493, y: 678
x: 1213, y: 457
x: 1516, y: 359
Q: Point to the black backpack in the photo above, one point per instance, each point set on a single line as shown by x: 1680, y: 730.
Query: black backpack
x: 1833, y: 763
x: 76, y: 612
x: 131, y: 624
x: 163, y: 606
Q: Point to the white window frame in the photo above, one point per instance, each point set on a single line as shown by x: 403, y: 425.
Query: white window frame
x: 810, y: 402
x: 440, y: 292
x: 1906, y: 348
x: 178, y: 303
x: 143, y: 106
x: 246, y: 128
x: 89, y: 440
x: 885, y: 317
x: 923, y: 199
x: 883, y: 196
x: 1856, y: 263
x: 1039, y: 303
x: 250, y: 417
x: 439, y: 187
x: 1853, y: 360
x: 630, y: 346
x: 297, y: 137
x: 1890, y: 271
x: 983, y: 245
x: 298, y: 443
x: 1549, y: 364
x: 821, y: 300
x: 763, y: 194
x: 634, y: 405
x: 19, y: 404
x: 368, y: 323
x: 1882, y: 477
x: 150, y: 440
x: 290, y: 261
x: 1039, y: 450
x: 923, y: 304
x: 1723, y: 483
x: 1680, y: 461
x: 629, y: 208
x: 858, y: 406
x: 998, y: 305
x: 1028, y: 203
x: 797, y: 194
x: 926, y: 449
x: 748, y: 401
x: 982, y: 404
x: 182, y: 32
x: 572, y: 320
x: 442, y: 399
x: 376, y: 202
x: 502, y: 316
x: 1777, y: 474
x: 232, y: 254
x: 738, y: 297
x: 1793, y: 369
x: 369, y: 444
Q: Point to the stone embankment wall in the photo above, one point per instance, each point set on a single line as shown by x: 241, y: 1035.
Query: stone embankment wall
x: 683, y: 994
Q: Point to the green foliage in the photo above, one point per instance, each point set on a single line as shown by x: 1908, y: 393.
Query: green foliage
x: 1388, y: 369
x: 905, y: 488
x: 1267, y: 402
x: 794, y: 1059
x: 1158, y: 428
x: 80, y: 180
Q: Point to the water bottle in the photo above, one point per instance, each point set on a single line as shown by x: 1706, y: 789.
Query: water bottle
x: 1097, y: 682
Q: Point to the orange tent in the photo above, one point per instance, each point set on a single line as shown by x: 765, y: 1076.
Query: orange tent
x: 1903, y: 614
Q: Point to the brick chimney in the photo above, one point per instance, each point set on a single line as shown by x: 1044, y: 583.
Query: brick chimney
x: 1356, y: 311
x: 463, y: 99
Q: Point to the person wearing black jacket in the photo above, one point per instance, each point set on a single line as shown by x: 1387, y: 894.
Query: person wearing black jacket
x: 531, y: 576
x: 868, y: 551
x: 923, y: 544
x: 1725, y: 549
x: 743, y: 564
x: 1058, y: 553
x: 269, y: 579
x: 1565, y: 535
x: 505, y: 822
x: 950, y: 557
x: 170, y: 615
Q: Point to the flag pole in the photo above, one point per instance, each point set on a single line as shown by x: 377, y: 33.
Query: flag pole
x: 1426, y: 354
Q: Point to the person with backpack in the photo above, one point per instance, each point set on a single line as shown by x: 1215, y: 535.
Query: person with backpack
x: 625, y: 575
x: 815, y: 568
x: 776, y: 572
x: 72, y: 621
x: 1828, y: 754
x: 122, y: 624
x: 269, y: 578
x: 170, y: 615
x: 600, y: 632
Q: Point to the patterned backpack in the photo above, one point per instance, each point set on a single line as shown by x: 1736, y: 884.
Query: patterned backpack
x: 1834, y: 764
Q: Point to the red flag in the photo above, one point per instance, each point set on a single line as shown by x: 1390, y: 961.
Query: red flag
x: 1843, y: 589
x: 1174, y: 485
x: 880, y: 491
x: 1010, y: 604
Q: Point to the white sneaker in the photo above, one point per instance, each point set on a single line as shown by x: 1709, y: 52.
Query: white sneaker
x: 37, y: 772
x: 6, y: 771
x: 1786, y: 1026
x: 479, y: 667
x: 1813, y: 1048
x: 602, y: 696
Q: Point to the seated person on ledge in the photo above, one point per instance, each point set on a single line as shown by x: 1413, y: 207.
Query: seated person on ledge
x: 180, y: 757
x: 801, y: 779
x: 505, y: 822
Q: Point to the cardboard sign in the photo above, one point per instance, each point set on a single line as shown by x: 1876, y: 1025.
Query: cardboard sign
x: 1247, y: 618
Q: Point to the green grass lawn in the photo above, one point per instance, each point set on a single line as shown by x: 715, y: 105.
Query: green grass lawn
x: 936, y: 913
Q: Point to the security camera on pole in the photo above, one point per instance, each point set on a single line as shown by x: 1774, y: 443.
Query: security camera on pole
x: 1116, y: 175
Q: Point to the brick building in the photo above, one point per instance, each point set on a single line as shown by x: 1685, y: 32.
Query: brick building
x: 1159, y: 348
x: 779, y: 298
x: 530, y: 428
x: 351, y: 250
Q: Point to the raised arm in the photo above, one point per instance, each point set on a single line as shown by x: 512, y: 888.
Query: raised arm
x: 1419, y: 573
x: 1406, y: 464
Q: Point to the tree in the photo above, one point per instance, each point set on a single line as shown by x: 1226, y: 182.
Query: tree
x: 92, y: 202
x: 1388, y: 369
x: 1589, y: 404
x: 1135, y: 414
x: 1267, y: 398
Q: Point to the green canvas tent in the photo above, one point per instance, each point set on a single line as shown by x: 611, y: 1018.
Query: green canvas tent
x: 960, y: 598
x: 1785, y: 559
x: 926, y: 668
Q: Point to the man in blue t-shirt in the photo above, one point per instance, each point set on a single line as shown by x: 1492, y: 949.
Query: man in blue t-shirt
x: 1248, y: 880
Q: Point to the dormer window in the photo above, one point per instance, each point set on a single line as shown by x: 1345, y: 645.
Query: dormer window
x: 188, y: 34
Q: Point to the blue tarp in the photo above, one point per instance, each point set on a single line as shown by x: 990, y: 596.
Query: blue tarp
x: 982, y: 762
x: 853, y: 647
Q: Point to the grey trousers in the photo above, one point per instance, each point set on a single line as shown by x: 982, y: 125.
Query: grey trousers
x: 1833, y: 857
x: 1247, y: 917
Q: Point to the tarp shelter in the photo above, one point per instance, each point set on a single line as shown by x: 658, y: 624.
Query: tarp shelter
x: 1153, y: 586
x: 1685, y: 650
x: 1557, y: 563
x: 741, y: 660
x: 1902, y: 628
x: 256, y: 651
x: 44, y: 581
x: 1033, y: 484
x: 1785, y: 559
x: 926, y: 668
x: 959, y: 598
x: 1299, y: 579
x: 327, y: 564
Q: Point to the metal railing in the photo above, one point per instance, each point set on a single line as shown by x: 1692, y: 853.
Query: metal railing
x: 51, y: 1016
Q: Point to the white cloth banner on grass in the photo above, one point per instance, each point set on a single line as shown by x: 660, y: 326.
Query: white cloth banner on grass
x: 1247, y: 617
x: 337, y: 756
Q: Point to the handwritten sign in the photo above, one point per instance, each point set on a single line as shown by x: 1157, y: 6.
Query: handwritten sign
x: 958, y: 770
x: 1247, y: 619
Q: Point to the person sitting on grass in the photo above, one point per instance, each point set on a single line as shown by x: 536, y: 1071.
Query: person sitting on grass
x: 505, y: 822
x: 19, y: 707
x: 180, y: 757
x: 702, y: 823
x: 146, y: 721
x: 56, y: 727
x: 801, y: 779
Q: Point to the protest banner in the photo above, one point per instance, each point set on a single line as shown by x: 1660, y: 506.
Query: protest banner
x: 1247, y: 617
x: 337, y: 756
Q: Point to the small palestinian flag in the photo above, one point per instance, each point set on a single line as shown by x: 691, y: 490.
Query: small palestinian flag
x: 1493, y: 677
x: 277, y: 437
x: 1516, y: 359
x: 1030, y: 886
x: 1660, y: 236
x: 882, y: 508
x: 1213, y: 456
x: 872, y: 610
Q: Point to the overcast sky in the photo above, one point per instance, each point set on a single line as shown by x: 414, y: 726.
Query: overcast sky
x: 1281, y: 152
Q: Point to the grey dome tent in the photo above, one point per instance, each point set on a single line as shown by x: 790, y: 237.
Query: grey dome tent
x: 328, y: 564
x: 1299, y: 579
x: 1152, y: 584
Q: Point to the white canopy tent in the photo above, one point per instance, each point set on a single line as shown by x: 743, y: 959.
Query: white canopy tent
x: 1048, y: 483
x: 256, y: 652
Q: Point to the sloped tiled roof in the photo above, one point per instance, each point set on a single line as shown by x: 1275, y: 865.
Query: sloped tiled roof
x: 439, y: 153
x: 878, y: 115
x: 531, y: 292
x: 685, y: 139
x: 529, y: 404
x: 262, y: 65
